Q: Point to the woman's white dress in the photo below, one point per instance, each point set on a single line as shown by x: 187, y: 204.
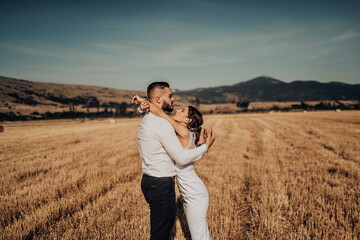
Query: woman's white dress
x: 195, y: 198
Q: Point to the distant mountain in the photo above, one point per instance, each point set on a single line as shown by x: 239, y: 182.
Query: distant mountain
x: 260, y: 82
x: 265, y: 88
x: 52, y: 93
x: 24, y: 97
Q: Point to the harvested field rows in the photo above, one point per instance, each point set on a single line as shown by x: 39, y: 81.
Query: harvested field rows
x: 269, y: 176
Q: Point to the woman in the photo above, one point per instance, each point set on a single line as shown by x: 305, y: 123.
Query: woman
x: 187, y: 124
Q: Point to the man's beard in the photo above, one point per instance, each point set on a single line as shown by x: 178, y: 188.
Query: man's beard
x: 167, y: 107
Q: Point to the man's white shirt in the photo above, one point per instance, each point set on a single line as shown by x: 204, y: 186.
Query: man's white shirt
x: 160, y: 149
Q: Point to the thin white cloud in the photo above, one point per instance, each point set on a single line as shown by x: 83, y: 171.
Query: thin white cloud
x: 111, y: 47
x: 27, y: 50
x: 139, y: 54
x: 320, y: 54
x: 346, y: 36
x: 204, y: 3
x: 150, y: 55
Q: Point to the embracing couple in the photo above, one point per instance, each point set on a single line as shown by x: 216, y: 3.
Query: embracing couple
x: 168, y: 147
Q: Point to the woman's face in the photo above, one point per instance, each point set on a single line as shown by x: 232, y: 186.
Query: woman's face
x: 181, y: 115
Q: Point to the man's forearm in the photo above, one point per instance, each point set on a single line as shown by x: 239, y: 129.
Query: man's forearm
x: 173, y: 147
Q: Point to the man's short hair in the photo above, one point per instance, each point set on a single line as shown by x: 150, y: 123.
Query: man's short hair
x: 161, y: 85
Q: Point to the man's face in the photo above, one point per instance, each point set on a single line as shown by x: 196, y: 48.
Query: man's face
x: 168, y: 100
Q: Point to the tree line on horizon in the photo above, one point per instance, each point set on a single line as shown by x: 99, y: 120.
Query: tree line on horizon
x: 124, y: 109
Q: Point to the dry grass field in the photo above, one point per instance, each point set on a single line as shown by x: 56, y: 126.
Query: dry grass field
x: 269, y: 176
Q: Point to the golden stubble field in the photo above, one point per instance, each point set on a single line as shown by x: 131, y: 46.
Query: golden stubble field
x: 269, y: 176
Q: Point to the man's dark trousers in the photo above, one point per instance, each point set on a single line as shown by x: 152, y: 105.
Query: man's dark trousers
x: 160, y: 195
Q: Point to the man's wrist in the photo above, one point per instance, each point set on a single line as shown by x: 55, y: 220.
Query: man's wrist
x: 206, y: 147
x: 140, y: 110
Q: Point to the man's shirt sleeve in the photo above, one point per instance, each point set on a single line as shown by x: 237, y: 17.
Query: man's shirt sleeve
x: 173, y: 146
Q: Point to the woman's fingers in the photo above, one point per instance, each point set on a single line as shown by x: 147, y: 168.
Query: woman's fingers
x: 145, y: 106
x: 210, y: 137
x: 137, y: 99
x: 202, y: 137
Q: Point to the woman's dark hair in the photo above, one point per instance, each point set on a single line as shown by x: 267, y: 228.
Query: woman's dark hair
x: 196, y: 122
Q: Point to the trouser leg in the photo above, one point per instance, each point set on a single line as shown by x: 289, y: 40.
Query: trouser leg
x: 196, y: 218
x: 160, y: 195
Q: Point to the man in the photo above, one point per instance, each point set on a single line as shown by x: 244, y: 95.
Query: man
x: 159, y: 148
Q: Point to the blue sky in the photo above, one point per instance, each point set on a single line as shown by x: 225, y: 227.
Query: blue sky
x: 189, y: 43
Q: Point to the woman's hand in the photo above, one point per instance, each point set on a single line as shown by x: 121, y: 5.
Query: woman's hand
x: 144, y: 104
x: 210, y: 137
x: 137, y: 100
x: 202, y: 137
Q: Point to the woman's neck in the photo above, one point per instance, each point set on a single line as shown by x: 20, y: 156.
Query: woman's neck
x: 182, y: 123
